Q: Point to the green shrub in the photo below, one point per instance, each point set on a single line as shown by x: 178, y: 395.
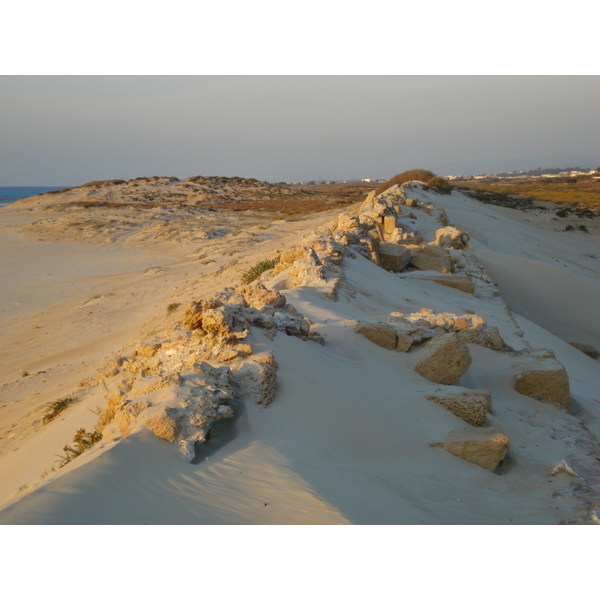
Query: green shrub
x: 258, y: 269
x: 416, y: 174
x: 83, y: 441
x: 53, y: 409
x: 440, y: 185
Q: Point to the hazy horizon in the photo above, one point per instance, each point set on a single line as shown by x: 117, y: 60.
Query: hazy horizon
x: 68, y: 130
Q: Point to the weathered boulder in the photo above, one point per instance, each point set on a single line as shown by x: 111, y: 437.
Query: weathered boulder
x: 431, y: 258
x: 451, y: 237
x: 471, y: 406
x: 586, y: 349
x: 484, y: 446
x: 393, y: 257
x: 379, y: 333
x: 543, y: 378
x: 446, y: 359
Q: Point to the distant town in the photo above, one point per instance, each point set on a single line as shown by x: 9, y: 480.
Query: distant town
x: 531, y: 174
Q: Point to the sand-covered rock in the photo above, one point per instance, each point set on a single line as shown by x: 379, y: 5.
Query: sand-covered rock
x: 382, y: 334
x: 458, y: 282
x: 586, y: 349
x: 447, y: 358
x: 542, y: 377
x: 484, y: 446
x: 471, y: 406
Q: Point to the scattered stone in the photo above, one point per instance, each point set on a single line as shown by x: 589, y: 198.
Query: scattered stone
x: 484, y: 446
x: 542, y: 378
x: 446, y: 359
x: 586, y: 349
x: 379, y: 333
x: 562, y: 467
x: 471, y: 406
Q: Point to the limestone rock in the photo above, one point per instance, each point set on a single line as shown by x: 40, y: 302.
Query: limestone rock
x: 431, y: 258
x: 586, y: 349
x: 451, y: 237
x: 484, y: 446
x: 471, y: 406
x: 542, y: 378
x: 389, y: 224
x: 562, y: 467
x: 393, y: 257
x: 446, y: 359
x: 163, y: 425
x: 458, y: 282
x: 379, y: 333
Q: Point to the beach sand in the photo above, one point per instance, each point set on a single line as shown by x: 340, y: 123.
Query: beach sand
x: 347, y: 438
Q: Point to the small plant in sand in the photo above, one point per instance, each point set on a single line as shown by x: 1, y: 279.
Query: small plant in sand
x: 443, y: 220
x: 24, y: 374
x: 83, y: 441
x: 53, y: 409
x: 258, y: 269
x: 173, y: 307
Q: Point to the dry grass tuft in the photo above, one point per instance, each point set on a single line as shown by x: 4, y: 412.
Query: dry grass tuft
x: 53, y: 409
x: 258, y: 269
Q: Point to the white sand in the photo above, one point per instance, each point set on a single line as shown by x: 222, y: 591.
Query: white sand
x: 347, y: 439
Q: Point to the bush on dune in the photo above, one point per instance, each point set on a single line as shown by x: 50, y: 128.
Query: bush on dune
x: 416, y: 174
x: 441, y: 186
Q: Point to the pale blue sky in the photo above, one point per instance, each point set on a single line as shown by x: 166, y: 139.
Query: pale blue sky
x: 67, y: 130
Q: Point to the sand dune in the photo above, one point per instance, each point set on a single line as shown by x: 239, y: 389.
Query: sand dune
x: 348, y: 436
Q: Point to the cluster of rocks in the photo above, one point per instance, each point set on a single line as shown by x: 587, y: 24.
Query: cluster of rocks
x: 402, y: 332
x: 168, y: 386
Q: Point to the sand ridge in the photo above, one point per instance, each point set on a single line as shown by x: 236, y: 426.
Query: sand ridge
x: 347, y: 437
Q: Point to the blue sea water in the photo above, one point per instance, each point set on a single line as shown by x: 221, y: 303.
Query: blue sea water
x: 8, y: 195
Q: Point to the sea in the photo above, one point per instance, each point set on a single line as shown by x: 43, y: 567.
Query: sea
x: 8, y: 195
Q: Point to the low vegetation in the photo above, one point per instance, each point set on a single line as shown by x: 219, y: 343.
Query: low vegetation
x: 83, y: 441
x: 53, y: 409
x: 258, y: 269
x: 173, y: 307
x: 583, y: 191
x: 441, y: 186
x: 416, y: 174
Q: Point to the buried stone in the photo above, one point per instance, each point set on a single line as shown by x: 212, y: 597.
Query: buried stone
x: 483, y: 446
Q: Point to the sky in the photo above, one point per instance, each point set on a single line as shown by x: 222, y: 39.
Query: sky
x: 267, y: 91
x: 67, y: 130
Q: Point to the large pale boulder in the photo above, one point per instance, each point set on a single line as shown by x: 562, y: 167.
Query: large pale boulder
x: 393, y: 257
x: 484, y: 446
x: 471, y: 406
x: 450, y: 237
x: 543, y: 378
x: 446, y: 359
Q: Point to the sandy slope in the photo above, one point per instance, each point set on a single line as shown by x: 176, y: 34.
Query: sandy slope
x: 347, y: 439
